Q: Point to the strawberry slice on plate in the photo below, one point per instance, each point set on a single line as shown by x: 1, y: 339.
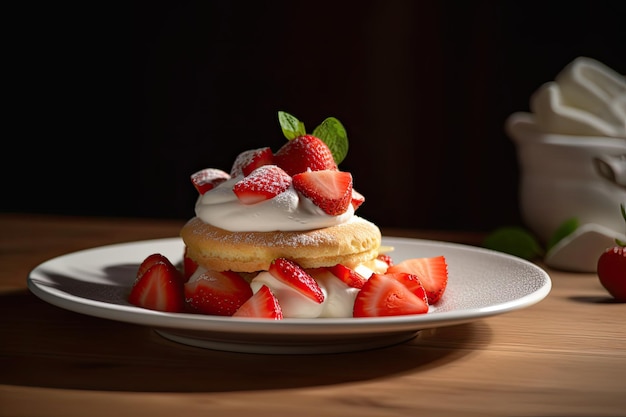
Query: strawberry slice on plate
x: 207, y: 179
x: 218, y: 293
x: 159, y: 286
x: 432, y: 273
x: 248, y: 161
x: 263, y: 183
x: 348, y: 275
x: 305, y: 152
x: 263, y: 304
x: 290, y: 273
x: 384, y: 295
x: 330, y: 190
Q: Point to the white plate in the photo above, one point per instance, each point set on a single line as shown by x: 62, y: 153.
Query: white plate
x: 481, y: 283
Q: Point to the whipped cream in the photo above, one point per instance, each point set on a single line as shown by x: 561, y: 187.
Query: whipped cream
x: 288, y: 211
x: 586, y: 98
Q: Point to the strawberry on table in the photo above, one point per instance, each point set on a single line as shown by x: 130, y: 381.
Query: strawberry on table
x: 248, y: 161
x: 385, y: 295
x: 432, y: 273
x: 159, y: 286
x: 208, y: 178
x: 262, y: 304
x: 330, y: 190
x: 217, y: 293
x: 611, y: 268
x: 263, y: 183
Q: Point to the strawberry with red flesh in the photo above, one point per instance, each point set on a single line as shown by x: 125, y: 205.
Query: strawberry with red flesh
x: 262, y: 184
x: 330, y: 190
x: 432, y: 273
x: 385, y: 295
x: 611, y: 268
x: 348, y: 275
x: 357, y: 199
x: 158, y: 286
x: 217, y: 293
x: 302, y: 153
x: 263, y: 304
x: 189, y: 265
x: 248, y: 161
x: 207, y: 179
x: 292, y: 274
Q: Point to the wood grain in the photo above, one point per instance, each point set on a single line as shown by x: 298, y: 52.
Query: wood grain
x: 565, y: 356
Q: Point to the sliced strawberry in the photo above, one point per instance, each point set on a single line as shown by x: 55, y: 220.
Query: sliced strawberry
x: 149, y: 261
x: 217, y: 293
x: 159, y: 287
x: 385, y: 258
x: 330, y: 190
x: 357, y: 199
x: 303, y: 153
x: 348, y: 275
x: 384, y: 295
x: 290, y: 273
x: 432, y: 273
x: 262, y: 304
x: 410, y: 281
x: 208, y: 178
x: 189, y: 266
x: 262, y: 184
x: 248, y: 161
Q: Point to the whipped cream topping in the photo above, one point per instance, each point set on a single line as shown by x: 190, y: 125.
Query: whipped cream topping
x: 586, y: 98
x: 288, y: 211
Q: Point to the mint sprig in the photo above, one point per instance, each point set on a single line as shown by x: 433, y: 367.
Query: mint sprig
x: 330, y: 131
x: 333, y: 134
x: 290, y: 125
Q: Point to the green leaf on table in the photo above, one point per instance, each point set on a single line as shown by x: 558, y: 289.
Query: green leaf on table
x: 565, y: 229
x: 514, y: 241
x: 290, y: 125
x: 334, y: 135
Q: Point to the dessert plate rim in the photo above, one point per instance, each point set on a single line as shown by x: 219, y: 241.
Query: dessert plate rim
x: 482, y: 283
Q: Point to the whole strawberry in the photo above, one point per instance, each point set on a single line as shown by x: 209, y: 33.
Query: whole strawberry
x: 612, y: 268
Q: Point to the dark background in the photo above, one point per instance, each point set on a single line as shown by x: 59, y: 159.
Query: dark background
x: 116, y: 104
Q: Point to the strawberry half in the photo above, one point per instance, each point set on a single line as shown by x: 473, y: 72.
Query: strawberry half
x: 432, y: 273
x: 290, y: 273
x: 330, y: 190
x: 159, y: 286
x: 262, y: 304
x: 410, y: 281
x: 262, y: 184
x: 248, y: 161
x: 305, y: 152
x: 218, y: 293
x: 208, y: 178
x: 348, y: 275
x: 612, y: 271
x: 384, y: 295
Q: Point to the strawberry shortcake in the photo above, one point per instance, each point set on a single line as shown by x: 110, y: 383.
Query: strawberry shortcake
x: 277, y: 236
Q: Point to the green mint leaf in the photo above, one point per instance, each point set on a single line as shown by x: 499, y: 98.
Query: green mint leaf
x: 333, y: 134
x: 514, y: 241
x: 290, y: 125
x: 566, y: 228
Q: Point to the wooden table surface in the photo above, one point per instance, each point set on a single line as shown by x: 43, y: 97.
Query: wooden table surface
x: 565, y: 356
